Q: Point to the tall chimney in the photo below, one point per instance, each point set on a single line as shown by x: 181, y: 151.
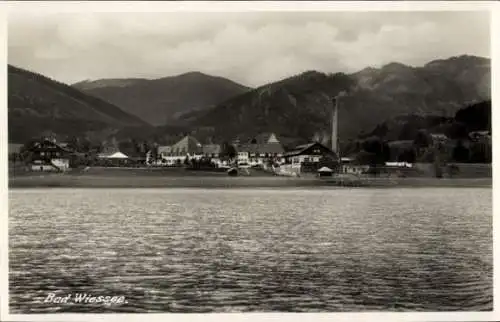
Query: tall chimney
x: 335, y: 120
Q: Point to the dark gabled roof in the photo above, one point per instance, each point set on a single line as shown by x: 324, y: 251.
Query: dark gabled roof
x: 270, y: 148
x: 299, y: 149
x: 164, y: 149
x: 50, y: 143
x: 264, y: 138
x: 479, y: 133
x: 302, y: 148
x: 133, y: 154
x: 188, y: 144
x: 211, y: 148
x: 439, y: 136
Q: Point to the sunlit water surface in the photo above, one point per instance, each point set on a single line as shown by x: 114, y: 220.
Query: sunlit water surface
x: 195, y: 250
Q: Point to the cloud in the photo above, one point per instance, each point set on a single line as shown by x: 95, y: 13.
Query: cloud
x: 251, y: 48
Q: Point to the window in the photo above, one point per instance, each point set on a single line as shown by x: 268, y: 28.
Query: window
x: 42, y: 153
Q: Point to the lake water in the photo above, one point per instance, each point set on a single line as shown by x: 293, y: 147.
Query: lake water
x: 195, y: 250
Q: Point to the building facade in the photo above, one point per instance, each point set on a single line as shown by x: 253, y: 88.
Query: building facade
x: 261, y: 150
x: 186, y: 148
x: 310, y: 157
x: 47, y: 155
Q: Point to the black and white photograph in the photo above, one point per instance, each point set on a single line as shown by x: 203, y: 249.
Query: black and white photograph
x: 190, y: 158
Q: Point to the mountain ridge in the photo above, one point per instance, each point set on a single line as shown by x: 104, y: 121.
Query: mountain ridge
x: 37, y: 103
x: 300, y: 106
x: 162, y: 100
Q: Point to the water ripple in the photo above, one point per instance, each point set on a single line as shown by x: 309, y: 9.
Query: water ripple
x: 181, y: 250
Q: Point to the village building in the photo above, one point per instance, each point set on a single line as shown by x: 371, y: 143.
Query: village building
x: 325, y: 172
x: 260, y: 150
x: 47, y: 155
x: 213, y: 152
x: 438, y: 139
x: 188, y: 147
x: 309, y: 153
x: 399, y: 149
x: 108, y: 150
x: 480, y: 136
x: 351, y: 166
x: 114, y: 159
x: 310, y: 157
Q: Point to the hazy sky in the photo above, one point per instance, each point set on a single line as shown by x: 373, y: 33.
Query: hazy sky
x: 250, y: 48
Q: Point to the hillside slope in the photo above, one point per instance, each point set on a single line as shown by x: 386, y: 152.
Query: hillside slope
x: 37, y: 104
x: 300, y: 107
x: 162, y: 101
x: 474, y: 117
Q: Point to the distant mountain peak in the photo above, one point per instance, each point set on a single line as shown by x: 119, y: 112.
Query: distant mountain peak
x: 395, y: 66
x: 299, y: 106
x: 464, y: 59
x: 163, y: 100
x: 106, y: 82
x: 194, y: 74
x: 37, y: 103
x: 368, y: 69
x: 311, y: 73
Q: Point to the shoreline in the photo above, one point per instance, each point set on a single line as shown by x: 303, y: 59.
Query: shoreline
x: 217, y: 181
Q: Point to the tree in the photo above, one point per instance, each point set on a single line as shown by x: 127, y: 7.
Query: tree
x: 85, y: 146
x: 145, y: 147
x: 98, y: 147
x: 457, y: 130
x: 408, y: 155
x: 365, y: 158
x: 460, y: 152
x: 154, y: 153
x: 480, y: 152
x: 228, y: 151
x: 381, y: 130
x: 422, y: 139
x: 410, y: 128
x: 114, y: 142
x: 379, y: 150
x: 74, y: 144
x: 135, y: 146
x: 126, y: 147
x: 477, y: 116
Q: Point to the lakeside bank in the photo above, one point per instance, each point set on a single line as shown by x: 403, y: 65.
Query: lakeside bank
x: 214, y: 180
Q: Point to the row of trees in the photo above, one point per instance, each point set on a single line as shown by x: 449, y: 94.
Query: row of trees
x: 376, y: 151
